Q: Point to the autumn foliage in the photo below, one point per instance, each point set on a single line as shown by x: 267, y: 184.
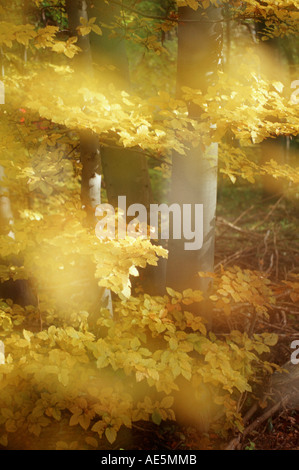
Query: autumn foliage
x: 72, y: 362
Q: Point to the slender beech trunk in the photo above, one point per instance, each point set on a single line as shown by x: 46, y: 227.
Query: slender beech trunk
x: 6, y: 216
x: 194, y: 176
x: 19, y: 291
x: 89, y: 147
x: 271, y: 65
x: 89, y: 144
x: 125, y: 170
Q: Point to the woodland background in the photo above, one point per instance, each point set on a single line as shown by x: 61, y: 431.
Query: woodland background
x: 129, y: 344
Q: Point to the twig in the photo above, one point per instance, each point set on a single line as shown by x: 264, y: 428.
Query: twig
x: 241, y: 401
x: 238, y: 229
x: 165, y: 18
x: 72, y: 150
x: 136, y: 150
x: 276, y: 254
x: 269, y: 213
x: 232, y: 257
x: 250, y: 413
x: 261, y: 262
x: 242, y: 214
x: 235, y: 442
x: 252, y: 325
x: 177, y: 20
x: 285, y: 309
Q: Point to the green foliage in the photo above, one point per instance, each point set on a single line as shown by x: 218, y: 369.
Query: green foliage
x: 130, y: 370
x: 251, y: 446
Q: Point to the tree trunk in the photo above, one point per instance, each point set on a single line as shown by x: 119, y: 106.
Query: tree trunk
x: 125, y: 170
x: 194, y: 176
x: 89, y: 149
x: 20, y: 291
x: 6, y: 216
x: 89, y: 145
x: 77, y: 9
x: 271, y: 65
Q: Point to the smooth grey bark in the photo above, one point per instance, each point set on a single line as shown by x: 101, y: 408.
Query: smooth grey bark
x: 272, y: 55
x: 77, y: 9
x: 6, y: 216
x: 91, y: 178
x: 194, y: 176
x: 89, y: 145
x: 125, y: 170
x: 19, y: 291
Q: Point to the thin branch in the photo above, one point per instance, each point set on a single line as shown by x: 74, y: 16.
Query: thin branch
x: 164, y: 18
x: 140, y: 13
x: 269, y: 213
x: 221, y: 220
x: 143, y: 152
x: 235, y: 443
x: 177, y: 20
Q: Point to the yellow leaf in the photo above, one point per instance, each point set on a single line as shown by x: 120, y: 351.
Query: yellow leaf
x: 278, y: 86
x: 173, y: 344
x: 91, y: 441
x: 96, y: 29
x: 167, y: 402
x: 74, y: 420
x: 271, y: 339
x: 61, y: 445
x: 111, y: 434
x: 10, y: 426
x: 84, y: 421
x: 3, y: 440
x: 27, y: 335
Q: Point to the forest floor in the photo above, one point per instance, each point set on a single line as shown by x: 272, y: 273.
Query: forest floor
x: 255, y: 231
x: 261, y: 233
